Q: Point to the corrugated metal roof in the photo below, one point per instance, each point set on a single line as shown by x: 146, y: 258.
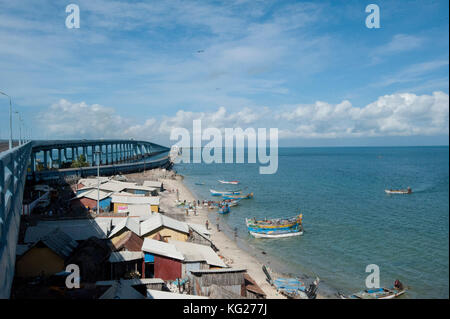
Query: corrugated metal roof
x: 128, y: 199
x: 221, y: 270
x: 197, y: 252
x: 78, y: 229
x: 61, y: 243
x: 129, y: 223
x: 120, y: 290
x: 121, y: 256
x: 159, y: 220
x: 143, y: 212
x: 93, y: 194
x: 130, y: 242
x: 201, y: 229
x: 93, y: 181
x: 157, y: 294
x: 152, y: 184
x: 161, y: 248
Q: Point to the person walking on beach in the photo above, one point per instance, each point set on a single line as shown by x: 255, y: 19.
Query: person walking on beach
x: 217, y: 219
x: 207, y: 224
x: 187, y: 212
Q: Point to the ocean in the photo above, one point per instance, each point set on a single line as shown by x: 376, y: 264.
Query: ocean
x: 349, y: 221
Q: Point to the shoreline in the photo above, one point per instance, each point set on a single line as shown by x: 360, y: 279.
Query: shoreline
x: 238, y: 252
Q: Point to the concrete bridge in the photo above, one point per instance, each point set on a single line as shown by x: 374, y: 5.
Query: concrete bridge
x: 114, y: 156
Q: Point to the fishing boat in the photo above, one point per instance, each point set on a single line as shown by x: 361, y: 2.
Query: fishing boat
x: 274, y: 223
x: 399, y: 191
x: 276, y: 227
x: 199, y: 183
x: 224, y: 193
x: 277, y: 233
x: 238, y: 196
x: 230, y: 182
x: 224, y: 209
x: 378, y: 293
x: 293, y: 288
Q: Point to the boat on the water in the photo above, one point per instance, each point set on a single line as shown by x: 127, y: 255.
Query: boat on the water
x: 230, y: 182
x: 277, y: 233
x: 399, y: 191
x: 293, y: 288
x: 378, y: 293
x: 224, y: 193
x: 224, y: 209
x: 275, y: 227
x: 238, y: 196
x: 199, y: 183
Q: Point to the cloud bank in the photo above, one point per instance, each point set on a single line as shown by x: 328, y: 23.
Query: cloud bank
x: 400, y: 114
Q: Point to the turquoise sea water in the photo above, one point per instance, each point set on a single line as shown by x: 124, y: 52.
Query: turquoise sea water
x: 349, y: 221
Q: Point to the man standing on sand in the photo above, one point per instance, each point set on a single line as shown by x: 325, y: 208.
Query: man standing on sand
x: 217, y: 223
x: 206, y: 224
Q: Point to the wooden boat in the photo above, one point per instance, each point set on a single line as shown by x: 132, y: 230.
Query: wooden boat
x: 224, y: 193
x: 237, y: 196
x: 277, y: 233
x: 398, y: 191
x: 224, y: 210
x: 231, y: 182
x: 293, y: 288
x: 199, y: 183
x: 274, y: 223
x: 377, y: 293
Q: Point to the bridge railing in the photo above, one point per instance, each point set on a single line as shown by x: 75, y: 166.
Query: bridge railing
x: 13, y: 170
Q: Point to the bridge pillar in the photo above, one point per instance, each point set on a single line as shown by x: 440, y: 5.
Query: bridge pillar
x: 45, y: 160
x: 33, y: 162
x: 59, y: 158
x: 106, y: 155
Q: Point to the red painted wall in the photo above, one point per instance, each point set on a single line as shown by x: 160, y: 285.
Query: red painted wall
x: 167, y: 268
x: 88, y: 202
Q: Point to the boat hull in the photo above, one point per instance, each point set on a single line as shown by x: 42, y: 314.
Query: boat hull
x: 275, y: 234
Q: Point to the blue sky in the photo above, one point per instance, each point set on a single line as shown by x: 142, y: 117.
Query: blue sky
x: 312, y: 69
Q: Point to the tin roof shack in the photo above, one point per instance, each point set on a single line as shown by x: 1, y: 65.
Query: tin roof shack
x: 120, y: 290
x: 156, y: 294
x: 142, y: 190
x: 200, y: 235
x: 128, y: 242
x: 92, y: 257
x: 121, y: 202
x: 167, y: 227
x: 162, y: 259
x: 77, y: 229
x: 89, y: 198
x: 155, y: 184
x: 197, y: 257
x: 46, y: 257
x: 122, y: 227
x: 126, y: 264
x: 231, y: 279
x: 253, y: 291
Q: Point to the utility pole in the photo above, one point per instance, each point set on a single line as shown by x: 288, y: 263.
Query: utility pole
x: 20, y: 127
x: 10, y: 119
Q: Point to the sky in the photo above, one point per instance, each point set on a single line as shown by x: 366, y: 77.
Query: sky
x: 138, y: 69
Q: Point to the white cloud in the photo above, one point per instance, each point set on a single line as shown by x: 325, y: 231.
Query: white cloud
x: 403, y: 114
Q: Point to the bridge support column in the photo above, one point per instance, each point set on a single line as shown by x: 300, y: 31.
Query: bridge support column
x: 59, y: 158
x: 45, y: 160
x: 106, y: 155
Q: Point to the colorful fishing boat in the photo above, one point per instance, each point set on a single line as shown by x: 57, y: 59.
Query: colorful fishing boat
x: 399, y: 191
x: 237, y: 196
x: 224, y: 209
x: 275, y: 227
x: 224, y: 193
x: 378, y: 293
x: 230, y: 182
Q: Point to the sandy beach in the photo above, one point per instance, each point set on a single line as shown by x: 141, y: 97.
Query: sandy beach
x: 233, y: 255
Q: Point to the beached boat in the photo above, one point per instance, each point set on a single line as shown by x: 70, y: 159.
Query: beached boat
x: 379, y: 293
x: 399, y: 191
x: 224, y: 193
x: 293, y: 288
x: 236, y: 196
x: 230, y: 182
